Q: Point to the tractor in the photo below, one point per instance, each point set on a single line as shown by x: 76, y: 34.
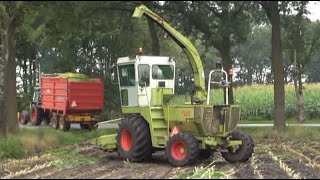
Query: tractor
x: 186, y: 131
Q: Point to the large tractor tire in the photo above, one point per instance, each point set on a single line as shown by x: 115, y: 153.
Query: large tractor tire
x: 134, y: 139
x: 241, y: 153
x: 24, y: 117
x: 36, y: 115
x: 64, y: 124
x: 182, y: 149
x: 55, y: 121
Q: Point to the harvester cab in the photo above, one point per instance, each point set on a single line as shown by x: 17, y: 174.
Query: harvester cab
x: 140, y: 76
x: 184, y: 131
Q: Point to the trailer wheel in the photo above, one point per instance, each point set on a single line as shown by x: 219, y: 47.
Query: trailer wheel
x: 64, y: 124
x: 24, y: 117
x: 36, y: 115
x: 46, y: 118
x: 182, y: 149
x: 243, y: 152
x: 55, y: 121
x: 134, y: 139
x: 84, y: 126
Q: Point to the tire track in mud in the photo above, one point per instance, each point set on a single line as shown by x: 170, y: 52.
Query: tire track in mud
x: 16, y: 168
x: 103, y: 166
x: 156, y: 168
x: 306, y: 156
x: 271, y: 160
x: 299, y: 163
x: 265, y: 166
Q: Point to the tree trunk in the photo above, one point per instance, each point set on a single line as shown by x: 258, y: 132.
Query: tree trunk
x: 12, y: 92
x: 272, y: 11
x: 11, y: 77
x: 227, y: 63
x: 154, y: 38
x: 249, y: 77
x: 300, y: 101
x: 298, y: 89
x: 3, y: 93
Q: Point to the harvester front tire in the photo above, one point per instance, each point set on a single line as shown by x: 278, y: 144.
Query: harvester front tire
x: 243, y: 152
x: 35, y: 115
x: 182, y: 149
x: 134, y: 139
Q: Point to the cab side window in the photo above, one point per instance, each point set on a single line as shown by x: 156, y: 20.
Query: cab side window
x: 127, y: 75
x: 144, y: 74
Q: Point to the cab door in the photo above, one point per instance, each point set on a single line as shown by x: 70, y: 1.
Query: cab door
x: 128, y: 85
x: 144, y: 90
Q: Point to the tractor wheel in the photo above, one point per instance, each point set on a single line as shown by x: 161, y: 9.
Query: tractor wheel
x: 134, y: 139
x: 182, y: 149
x: 36, y: 115
x: 24, y: 117
x: 64, y: 124
x: 55, y: 121
x: 205, y: 153
x: 243, y: 152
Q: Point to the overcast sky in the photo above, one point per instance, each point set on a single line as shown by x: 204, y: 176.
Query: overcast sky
x: 314, y: 8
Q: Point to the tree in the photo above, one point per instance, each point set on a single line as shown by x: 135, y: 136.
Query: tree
x: 222, y: 24
x: 253, y: 56
x: 272, y: 11
x: 8, y: 116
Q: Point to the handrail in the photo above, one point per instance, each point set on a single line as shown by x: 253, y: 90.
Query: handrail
x: 222, y: 84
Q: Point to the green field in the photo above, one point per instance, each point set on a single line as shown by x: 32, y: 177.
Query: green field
x: 29, y: 142
x: 256, y: 101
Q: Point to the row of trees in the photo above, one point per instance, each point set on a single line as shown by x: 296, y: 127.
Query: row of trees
x: 88, y: 37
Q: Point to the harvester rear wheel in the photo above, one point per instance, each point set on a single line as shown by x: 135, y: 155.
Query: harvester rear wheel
x: 134, y: 139
x: 243, y: 152
x: 182, y: 149
x: 64, y: 124
x: 36, y: 115
x: 55, y: 121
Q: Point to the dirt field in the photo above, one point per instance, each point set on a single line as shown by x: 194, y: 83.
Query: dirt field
x: 274, y: 159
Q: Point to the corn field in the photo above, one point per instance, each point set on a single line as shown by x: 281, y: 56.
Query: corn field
x: 256, y: 101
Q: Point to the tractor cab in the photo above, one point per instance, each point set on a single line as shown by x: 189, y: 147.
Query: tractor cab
x: 145, y: 80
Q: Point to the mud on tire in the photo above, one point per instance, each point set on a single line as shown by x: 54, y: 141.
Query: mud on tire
x: 182, y: 149
x: 134, y: 139
x: 243, y: 152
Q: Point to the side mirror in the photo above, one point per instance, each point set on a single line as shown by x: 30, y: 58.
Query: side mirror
x: 142, y: 84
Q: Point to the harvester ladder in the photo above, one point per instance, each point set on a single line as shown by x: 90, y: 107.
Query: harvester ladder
x: 159, y: 127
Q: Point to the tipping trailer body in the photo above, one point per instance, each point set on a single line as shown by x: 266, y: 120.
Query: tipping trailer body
x: 72, y: 99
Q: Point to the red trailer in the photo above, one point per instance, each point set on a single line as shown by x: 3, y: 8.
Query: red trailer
x: 69, y: 101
